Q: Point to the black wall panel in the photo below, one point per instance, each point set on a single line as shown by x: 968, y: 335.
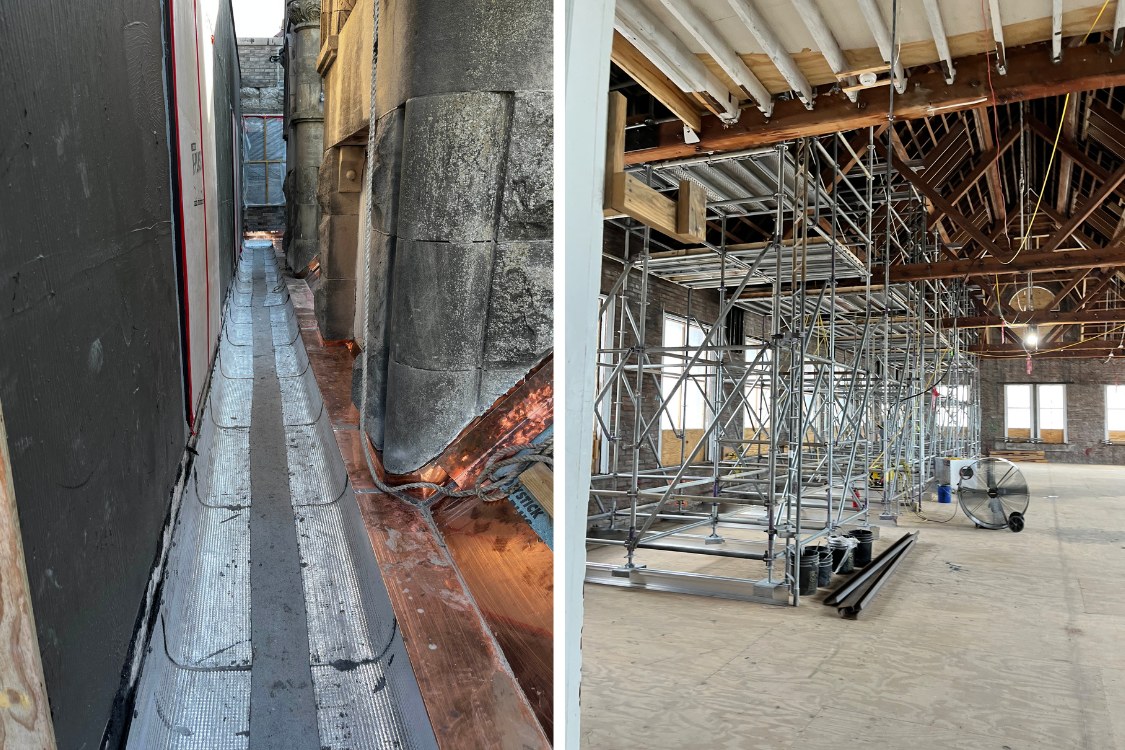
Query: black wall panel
x: 90, y: 372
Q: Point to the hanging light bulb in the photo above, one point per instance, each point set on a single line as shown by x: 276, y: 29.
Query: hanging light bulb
x: 1031, y: 338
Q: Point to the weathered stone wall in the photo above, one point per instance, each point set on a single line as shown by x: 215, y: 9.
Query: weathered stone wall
x: 263, y: 84
x: 347, y: 113
x: 1085, y: 381
x: 460, y: 297
x: 304, y: 131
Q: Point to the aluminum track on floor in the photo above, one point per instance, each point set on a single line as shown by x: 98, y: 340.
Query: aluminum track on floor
x: 196, y: 682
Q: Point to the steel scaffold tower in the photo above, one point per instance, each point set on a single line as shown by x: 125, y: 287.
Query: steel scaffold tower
x: 791, y: 422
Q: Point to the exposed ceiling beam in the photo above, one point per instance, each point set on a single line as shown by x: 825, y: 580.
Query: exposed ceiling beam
x: 1112, y: 256
x: 1109, y: 347
x: 937, y: 28
x: 995, y: 184
x: 1056, y: 30
x: 1067, y: 288
x: 1093, y: 295
x: 1118, y: 40
x: 874, y: 18
x: 1116, y: 315
x: 668, y: 52
x: 982, y: 164
x: 809, y: 12
x: 774, y: 48
x: 642, y: 70
x: 724, y: 55
x: 1067, y: 146
x: 1032, y: 76
x: 1092, y: 204
x: 1066, y: 162
x: 1090, y: 347
x: 998, y: 36
x: 940, y: 203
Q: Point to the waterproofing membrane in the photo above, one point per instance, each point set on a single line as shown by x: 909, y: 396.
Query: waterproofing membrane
x: 195, y: 685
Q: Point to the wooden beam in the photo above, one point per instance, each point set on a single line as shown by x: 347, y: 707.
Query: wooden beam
x: 691, y: 210
x: 1067, y: 147
x: 1067, y: 288
x: 1031, y: 75
x: 614, y: 141
x: 1066, y: 162
x: 630, y: 197
x: 25, y: 716
x: 1092, y: 295
x: 986, y: 160
x: 1112, y: 256
x: 1092, y: 204
x: 1088, y: 346
x: 1116, y: 315
x: 638, y: 67
x: 1110, y: 347
x: 539, y: 481
x: 940, y: 203
x: 995, y: 186
x: 684, y: 219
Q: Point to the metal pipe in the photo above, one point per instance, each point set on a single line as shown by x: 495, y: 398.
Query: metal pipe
x: 852, y: 610
x: 856, y: 582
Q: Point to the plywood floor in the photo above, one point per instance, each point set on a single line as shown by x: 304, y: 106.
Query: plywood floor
x: 984, y: 639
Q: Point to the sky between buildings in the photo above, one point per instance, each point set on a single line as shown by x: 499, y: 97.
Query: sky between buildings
x: 258, y: 17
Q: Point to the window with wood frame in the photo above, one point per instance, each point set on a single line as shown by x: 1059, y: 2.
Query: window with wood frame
x: 684, y: 421
x: 263, y: 159
x: 1115, y: 414
x: 756, y: 419
x: 1035, y: 413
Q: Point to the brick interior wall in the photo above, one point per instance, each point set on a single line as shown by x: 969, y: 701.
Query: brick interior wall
x: 1085, y: 381
x: 663, y: 297
x: 263, y: 218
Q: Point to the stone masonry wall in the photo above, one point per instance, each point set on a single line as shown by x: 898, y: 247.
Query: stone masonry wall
x: 263, y: 82
x: 262, y: 93
x: 1085, y: 381
x: 459, y: 306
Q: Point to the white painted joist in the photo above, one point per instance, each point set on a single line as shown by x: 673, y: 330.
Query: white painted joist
x: 998, y: 36
x: 810, y: 14
x: 883, y: 40
x: 1118, y: 28
x: 669, y: 53
x: 708, y: 37
x: 937, y: 28
x: 774, y: 48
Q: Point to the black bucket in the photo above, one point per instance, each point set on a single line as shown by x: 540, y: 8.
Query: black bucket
x: 824, y: 572
x: 864, y: 539
x: 807, y: 571
x: 842, y: 559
